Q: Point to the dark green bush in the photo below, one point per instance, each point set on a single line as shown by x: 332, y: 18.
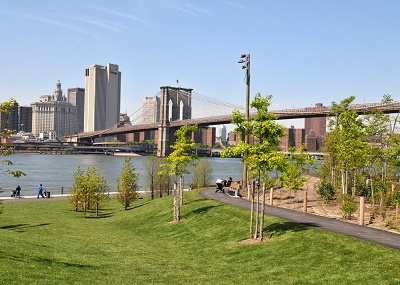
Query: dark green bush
x: 326, y: 190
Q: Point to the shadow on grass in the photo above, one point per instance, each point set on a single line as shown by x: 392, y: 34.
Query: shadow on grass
x: 135, y: 206
x: 45, y: 261
x: 22, y: 227
x: 277, y: 229
x: 203, y: 210
x: 49, y: 262
x: 100, y: 216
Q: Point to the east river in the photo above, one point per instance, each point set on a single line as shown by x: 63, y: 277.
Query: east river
x: 55, y: 172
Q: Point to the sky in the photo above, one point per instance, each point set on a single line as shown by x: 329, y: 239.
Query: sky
x: 302, y: 52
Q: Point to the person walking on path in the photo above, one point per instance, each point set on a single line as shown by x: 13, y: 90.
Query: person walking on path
x: 18, y: 192
x: 40, y: 191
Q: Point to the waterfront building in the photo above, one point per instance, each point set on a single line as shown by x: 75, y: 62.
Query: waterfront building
x: 316, y: 125
x: 102, y: 97
x: 293, y: 138
x: 19, y: 119
x: 315, y: 130
x: 76, y: 96
x: 204, y: 136
x: 53, y: 114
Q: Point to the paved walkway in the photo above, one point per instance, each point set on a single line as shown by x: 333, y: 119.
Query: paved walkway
x: 361, y: 232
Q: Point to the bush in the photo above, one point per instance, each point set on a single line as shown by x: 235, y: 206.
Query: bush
x: 348, y: 207
x: 326, y: 190
x: 364, y: 190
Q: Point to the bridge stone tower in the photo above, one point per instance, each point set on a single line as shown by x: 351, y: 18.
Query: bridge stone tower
x: 179, y: 101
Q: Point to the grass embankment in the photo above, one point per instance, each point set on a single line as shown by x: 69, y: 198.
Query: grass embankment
x: 48, y: 243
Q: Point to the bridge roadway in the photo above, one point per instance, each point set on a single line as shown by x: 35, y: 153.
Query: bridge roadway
x: 286, y: 114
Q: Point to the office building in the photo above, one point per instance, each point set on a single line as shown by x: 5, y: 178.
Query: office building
x: 76, y: 96
x: 151, y: 110
x: 19, y: 119
x: 53, y: 114
x: 102, y: 97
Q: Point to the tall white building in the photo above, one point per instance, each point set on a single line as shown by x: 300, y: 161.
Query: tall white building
x: 151, y: 110
x: 53, y: 114
x: 102, y: 97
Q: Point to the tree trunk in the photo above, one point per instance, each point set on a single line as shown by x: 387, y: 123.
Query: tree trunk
x: 251, y: 210
x: 181, y: 182
x: 371, y: 184
x: 257, y: 211
x: 263, y: 214
x: 176, y: 204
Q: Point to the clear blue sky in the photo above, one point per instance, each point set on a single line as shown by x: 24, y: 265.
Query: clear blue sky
x: 302, y: 52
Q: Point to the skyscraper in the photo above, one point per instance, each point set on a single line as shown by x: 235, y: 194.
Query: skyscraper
x: 102, y: 97
x: 151, y: 110
x: 54, y: 114
x: 76, y: 96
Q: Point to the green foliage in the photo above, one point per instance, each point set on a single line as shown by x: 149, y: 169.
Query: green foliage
x: 349, y: 207
x: 262, y: 156
x: 88, y: 190
x: 202, y: 173
x: 217, y: 145
x: 127, y: 187
x: 291, y: 177
x: 178, y: 161
x: 326, y: 190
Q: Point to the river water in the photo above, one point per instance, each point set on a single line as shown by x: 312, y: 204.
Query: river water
x: 55, y: 172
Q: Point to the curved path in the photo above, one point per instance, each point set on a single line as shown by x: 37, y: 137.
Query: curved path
x: 361, y: 232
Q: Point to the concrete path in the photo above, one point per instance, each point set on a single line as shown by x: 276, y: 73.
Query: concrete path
x: 33, y: 198
x: 361, y: 232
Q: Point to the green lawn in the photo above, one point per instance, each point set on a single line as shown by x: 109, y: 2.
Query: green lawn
x: 48, y: 243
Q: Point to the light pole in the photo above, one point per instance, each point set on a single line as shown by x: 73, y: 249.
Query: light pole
x: 245, y: 60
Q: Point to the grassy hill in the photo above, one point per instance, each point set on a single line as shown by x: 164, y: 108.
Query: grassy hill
x: 49, y: 243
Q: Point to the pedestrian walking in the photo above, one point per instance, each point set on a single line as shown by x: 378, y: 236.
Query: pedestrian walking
x: 40, y: 191
x: 18, y: 192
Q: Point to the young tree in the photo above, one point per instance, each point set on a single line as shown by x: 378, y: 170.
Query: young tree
x: 345, y: 143
x: 202, y: 174
x: 177, y: 163
x: 262, y: 156
x: 152, y: 179
x: 127, y: 188
x: 88, y: 188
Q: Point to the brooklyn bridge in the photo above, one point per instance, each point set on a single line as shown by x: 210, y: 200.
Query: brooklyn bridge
x: 181, y: 106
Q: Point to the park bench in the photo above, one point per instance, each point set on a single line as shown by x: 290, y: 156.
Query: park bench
x: 233, y: 189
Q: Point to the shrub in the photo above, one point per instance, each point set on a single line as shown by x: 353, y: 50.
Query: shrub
x: 326, y: 190
x: 348, y: 207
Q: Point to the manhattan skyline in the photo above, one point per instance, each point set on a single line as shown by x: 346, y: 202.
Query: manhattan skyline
x: 302, y: 52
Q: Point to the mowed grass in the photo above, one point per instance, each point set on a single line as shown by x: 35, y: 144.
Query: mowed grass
x: 48, y: 243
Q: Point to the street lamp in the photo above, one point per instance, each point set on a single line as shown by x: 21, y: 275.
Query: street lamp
x: 245, y: 60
